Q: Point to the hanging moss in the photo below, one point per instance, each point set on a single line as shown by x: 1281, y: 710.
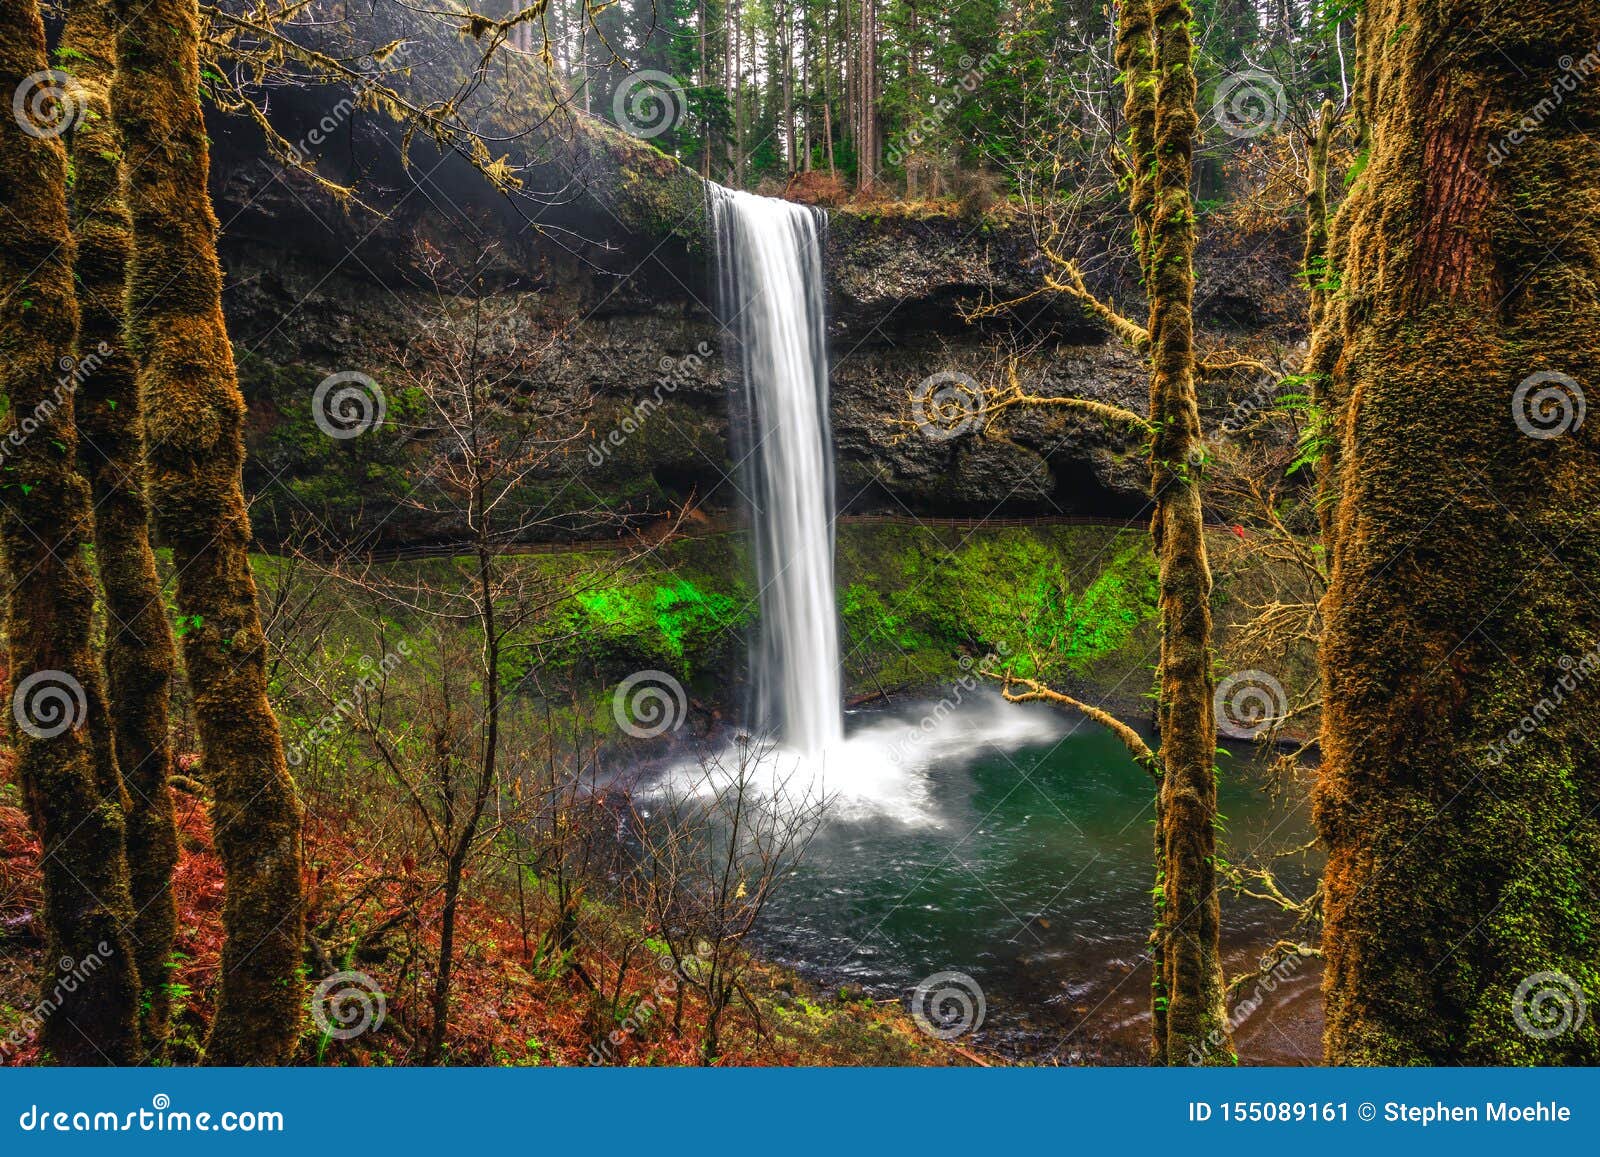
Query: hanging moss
x: 193, y: 421
x: 66, y: 767
x: 1462, y: 862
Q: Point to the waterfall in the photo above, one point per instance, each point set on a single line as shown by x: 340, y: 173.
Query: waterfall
x: 769, y: 260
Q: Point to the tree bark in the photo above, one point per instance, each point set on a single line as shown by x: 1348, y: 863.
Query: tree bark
x: 1194, y: 1028
x: 70, y: 785
x: 194, y: 417
x: 1460, y: 789
x: 139, y: 654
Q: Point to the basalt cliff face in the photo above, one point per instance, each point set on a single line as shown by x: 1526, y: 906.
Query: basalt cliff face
x: 617, y: 299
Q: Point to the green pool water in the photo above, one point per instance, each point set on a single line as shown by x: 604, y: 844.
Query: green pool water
x: 1025, y: 863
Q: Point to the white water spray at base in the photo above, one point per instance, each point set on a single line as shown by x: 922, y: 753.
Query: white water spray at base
x: 769, y: 261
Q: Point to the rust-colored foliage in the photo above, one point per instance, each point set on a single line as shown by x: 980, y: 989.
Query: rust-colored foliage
x: 512, y: 1008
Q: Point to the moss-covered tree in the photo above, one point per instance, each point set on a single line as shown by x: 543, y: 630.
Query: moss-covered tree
x: 1155, y: 53
x: 70, y: 784
x: 139, y: 654
x: 1460, y: 791
x: 194, y: 417
x: 1195, y: 1022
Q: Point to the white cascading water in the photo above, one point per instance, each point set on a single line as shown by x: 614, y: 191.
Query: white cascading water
x: 769, y: 259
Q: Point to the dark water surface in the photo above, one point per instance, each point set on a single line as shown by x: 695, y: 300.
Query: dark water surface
x: 1029, y: 867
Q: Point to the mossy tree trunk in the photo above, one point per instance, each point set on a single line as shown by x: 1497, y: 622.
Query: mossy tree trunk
x: 194, y: 452
x: 139, y: 654
x: 1135, y: 55
x: 70, y: 784
x: 1195, y: 1019
x: 1136, y: 59
x: 1460, y: 790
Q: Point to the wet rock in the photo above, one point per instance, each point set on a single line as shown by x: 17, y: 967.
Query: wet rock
x: 642, y: 357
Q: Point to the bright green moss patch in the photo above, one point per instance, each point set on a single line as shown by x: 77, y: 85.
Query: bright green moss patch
x: 683, y: 623
x: 1052, y: 601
